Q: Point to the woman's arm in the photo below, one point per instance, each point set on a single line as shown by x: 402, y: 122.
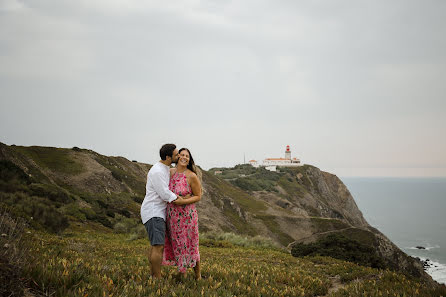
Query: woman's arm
x: 196, y: 190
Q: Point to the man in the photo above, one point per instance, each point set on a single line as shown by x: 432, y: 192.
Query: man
x: 153, y: 208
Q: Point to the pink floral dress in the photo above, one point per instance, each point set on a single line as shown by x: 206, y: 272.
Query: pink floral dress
x: 181, y: 243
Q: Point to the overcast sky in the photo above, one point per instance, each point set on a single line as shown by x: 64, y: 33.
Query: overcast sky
x: 356, y: 88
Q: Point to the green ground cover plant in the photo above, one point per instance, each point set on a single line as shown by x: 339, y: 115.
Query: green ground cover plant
x: 89, y: 263
x: 85, y: 261
x: 57, y: 159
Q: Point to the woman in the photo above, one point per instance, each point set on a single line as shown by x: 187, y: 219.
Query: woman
x: 181, y: 243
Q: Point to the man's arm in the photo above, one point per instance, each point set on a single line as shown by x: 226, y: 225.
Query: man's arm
x: 161, y: 186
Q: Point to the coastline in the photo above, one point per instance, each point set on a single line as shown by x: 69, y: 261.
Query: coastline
x: 435, y: 269
x: 409, y: 211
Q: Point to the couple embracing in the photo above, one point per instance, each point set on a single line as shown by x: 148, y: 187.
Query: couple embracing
x: 168, y: 212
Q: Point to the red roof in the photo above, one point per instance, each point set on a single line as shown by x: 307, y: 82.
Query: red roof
x: 276, y: 159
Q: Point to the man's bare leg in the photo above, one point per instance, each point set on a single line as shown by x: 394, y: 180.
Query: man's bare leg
x: 155, y: 259
x: 197, y: 270
x: 149, y: 253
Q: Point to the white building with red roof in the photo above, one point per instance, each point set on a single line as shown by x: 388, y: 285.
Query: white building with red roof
x: 272, y: 163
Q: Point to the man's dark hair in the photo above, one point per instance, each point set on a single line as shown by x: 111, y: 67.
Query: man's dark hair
x: 167, y: 150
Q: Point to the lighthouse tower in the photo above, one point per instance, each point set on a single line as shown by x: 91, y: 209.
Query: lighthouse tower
x: 288, y: 153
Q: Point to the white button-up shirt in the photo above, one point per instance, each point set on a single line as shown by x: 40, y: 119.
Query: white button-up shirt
x: 157, y: 193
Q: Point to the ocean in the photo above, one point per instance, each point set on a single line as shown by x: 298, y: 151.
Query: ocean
x: 411, y: 212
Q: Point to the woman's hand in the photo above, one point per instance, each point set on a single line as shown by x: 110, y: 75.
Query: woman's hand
x: 179, y: 201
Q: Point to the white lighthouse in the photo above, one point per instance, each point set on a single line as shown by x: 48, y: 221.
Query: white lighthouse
x: 272, y: 163
x: 288, y: 153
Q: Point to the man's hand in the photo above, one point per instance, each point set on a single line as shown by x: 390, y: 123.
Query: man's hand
x: 179, y: 201
x: 187, y: 196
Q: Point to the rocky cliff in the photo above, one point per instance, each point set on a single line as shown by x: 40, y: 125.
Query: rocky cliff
x: 79, y: 186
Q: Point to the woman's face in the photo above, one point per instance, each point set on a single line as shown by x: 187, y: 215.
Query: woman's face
x: 184, y: 158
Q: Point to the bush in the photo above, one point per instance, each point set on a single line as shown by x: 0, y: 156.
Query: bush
x: 138, y: 199
x: 48, y: 217
x: 12, y: 178
x: 103, y: 220
x: 13, y: 186
x: 138, y: 232
x: 13, y: 254
x: 52, y: 192
x: 133, y: 227
x: 340, y: 247
x: 89, y: 213
x: 102, y: 204
x: 74, y: 211
x: 9, y: 171
x: 117, y: 174
x: 125, y: 213
x: 39, y: 212
x: 126, y: 225
x: 219, y: 239
x: 120, y: 227
x: 246, y: 184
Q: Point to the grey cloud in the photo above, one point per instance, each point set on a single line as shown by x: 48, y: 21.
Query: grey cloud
x: 355, y: 79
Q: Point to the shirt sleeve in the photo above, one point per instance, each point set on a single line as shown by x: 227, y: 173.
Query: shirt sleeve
x: 162, y: 187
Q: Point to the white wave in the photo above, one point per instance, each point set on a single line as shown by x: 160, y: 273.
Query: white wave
x: 432, y: 247
x: 426, y: 248
x: 437, y: 271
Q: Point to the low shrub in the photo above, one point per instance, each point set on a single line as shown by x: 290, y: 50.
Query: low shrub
x: 9, y: 171
x: 52, y: 192
x: 89, y: 213
x: 227, y: 239
x: 101, y: 218
x: 38, y: 211
x: 131, y: 226
x: 13, y: 254
x: 340, y: 247
x: 74, y: 211
x: 138, y: 199
x: 246, y: 184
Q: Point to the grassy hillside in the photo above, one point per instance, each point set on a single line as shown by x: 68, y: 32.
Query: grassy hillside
x: 79, y: 185
x: 54, y: 189
x: 83, y: 262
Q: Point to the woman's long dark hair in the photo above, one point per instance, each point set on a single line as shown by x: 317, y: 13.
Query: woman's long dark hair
x: 191, y: 165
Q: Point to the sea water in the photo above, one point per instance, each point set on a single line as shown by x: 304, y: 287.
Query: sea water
x: 411, y: 212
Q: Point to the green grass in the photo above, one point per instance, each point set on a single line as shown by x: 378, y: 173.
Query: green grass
x: 291, y: 186
x: 57, y: 159
x: 273, y: 226
x: 323, y: 225
x: 119, y: 172
x: 85, y: 262
x: 218, y: 239
x: 249, y: 178
x: 239, y: 223
x: 242, y: 198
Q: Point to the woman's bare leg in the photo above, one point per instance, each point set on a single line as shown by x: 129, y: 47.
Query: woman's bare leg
x: 197, y: 270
